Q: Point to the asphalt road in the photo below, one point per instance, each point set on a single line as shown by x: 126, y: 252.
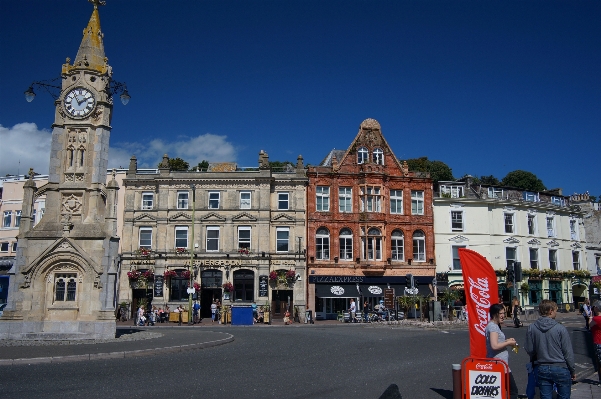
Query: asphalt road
x: 299, y: 361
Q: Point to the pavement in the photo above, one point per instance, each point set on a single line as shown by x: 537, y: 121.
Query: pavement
x: 206, y: 334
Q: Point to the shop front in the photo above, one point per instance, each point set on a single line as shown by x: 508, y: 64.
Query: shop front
x: 333, y: 293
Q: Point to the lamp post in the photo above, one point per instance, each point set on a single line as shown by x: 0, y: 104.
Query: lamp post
x: 190, y: 286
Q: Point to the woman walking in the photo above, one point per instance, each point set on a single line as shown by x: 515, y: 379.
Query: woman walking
x: 496, y: 343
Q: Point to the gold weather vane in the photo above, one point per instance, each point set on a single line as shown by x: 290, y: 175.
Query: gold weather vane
x: 97, y: 3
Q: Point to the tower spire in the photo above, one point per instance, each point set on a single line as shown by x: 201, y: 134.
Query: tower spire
x: 91, y: 50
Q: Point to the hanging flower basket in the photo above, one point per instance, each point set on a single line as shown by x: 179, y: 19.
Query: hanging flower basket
x: 133, y: 275
x: 144, y: 252
x: 291, y: 274
x: 181, y: 250
x: 244, y: 251
x: 196, y: 286
x: 185, y: 274
x: 169, y: 274
x: 228, y: 287
x: 273, y: 276
x: 148, y: 275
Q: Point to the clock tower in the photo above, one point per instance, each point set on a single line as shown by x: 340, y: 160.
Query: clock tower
x: 62, y: 285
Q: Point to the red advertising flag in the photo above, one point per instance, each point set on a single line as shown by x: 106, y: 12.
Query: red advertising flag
x: 481, y: 291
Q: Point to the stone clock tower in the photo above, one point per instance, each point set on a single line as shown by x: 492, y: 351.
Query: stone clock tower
x: 63, y: 283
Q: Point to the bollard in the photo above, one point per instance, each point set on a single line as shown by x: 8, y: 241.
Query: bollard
x: 457, y: 390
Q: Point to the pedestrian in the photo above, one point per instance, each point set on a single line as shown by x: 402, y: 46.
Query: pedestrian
x: 515, y: 312
x: 179, y: 312
x: 353, y: 311
x: 255, y: 312
x: 213, y: 310
x: 586, y: 312
x: 139, y: 315
x: 196, y: 313
x: 549, y: 346
x: 596, y: 333
x: 366, y: 310
x: 496, y: 343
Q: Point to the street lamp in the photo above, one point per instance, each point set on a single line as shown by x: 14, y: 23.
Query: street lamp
x: 190, y: 286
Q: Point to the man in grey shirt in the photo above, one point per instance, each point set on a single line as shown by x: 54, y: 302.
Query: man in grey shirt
x: 549, y: 346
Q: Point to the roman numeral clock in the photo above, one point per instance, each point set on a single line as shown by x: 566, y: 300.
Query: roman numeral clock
x: 79, y: 102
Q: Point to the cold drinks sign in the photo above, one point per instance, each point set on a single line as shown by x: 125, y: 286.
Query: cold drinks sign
x: 484, y: 378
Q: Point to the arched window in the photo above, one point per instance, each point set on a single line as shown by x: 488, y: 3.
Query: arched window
x: 81, y: 154
x: 346, y: 244
x: 362, y: 155
x: 378, y: 156
x: 70, y: 155
x: 372, y: 245
x: 398, y: 246
x: 65, y: 283
x: 322, y: 243
x: 419, y: 246
x: 179, y: 286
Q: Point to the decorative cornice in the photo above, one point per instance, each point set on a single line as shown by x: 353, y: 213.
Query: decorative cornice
x: 511, y: 240
x: 213, y: 215
x: 245, y: 216
x: 553, y: 243
x: 180, y: 215
x: 459, y: 239
x: 144, y: 216
x: 576, y: 246
x: 282, y: 215
x: 534, y: 241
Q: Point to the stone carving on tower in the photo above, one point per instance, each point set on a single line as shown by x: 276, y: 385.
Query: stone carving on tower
x: 62, y: 283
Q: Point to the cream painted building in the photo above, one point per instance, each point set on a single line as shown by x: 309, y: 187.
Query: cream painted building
x: 542, y: 231
x: 244, y: 226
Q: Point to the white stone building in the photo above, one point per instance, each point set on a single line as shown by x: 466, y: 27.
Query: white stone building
x: 542, y: 231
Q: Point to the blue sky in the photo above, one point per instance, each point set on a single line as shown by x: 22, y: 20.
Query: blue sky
x: 485, y: 86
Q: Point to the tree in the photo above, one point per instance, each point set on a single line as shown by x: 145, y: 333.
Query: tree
x: 524, y: 180
x: 177, y: 164
x: 202, y: 166
x: 439, y: 171
x: 281, y: 166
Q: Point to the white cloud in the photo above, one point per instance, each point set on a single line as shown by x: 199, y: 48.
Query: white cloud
x: 193, y: 150
x: 24, y: 146
x: 26, y: 143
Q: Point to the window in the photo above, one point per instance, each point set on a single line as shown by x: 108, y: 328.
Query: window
x: 378, y: 156
x: 362, y: 155
x: 145, y: 237
x: 455, y: 253
x: 182, y: 200
x: 212, y: 238
x: 214, y: 199
x: 17, y: 218
x: 495, y: 193
x: 417, y: 202
x: 372, y: 245
x: 550, y: 226
x: 419, y: 246
x: 398, y: 245
x: 451, y: 191
x: 576, y: 260
x: 42, y: 210
x: 370, y: 199
x: 244, y: 285
x: 15, y: 246
x: 323, y: 198
x: 211, y: 279
x: 531, y: 225
x: 322, y: 243
x: 457, y: 220
x: 345, y: 199
x: 181, y: 236
x: 396, y: 202
x: 553, y: 259
x: 510, y: 255
x: 179, y: 287
x: 509, y: 224
x: 65, y: 284
x: 536, y: 291
x: 244, y: 199
x: 7, y: 220
x: 244, y: 237
x: 3, y: 246
x: 282, y: 236
x: 557, y: 201
x: 33, y: 217
x: 598, y: 264
x: 573, y: 229
x: 530, y: 196
x: 283, y: 201
x: 533, y: 258
x: 346, y: 244
x: 147, y: 201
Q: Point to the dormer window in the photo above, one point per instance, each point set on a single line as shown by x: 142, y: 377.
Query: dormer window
x: 530, y: 196
x: 362, y: 155
x: 494, y: 192
x: 451, y: 191
x: 378, y: 156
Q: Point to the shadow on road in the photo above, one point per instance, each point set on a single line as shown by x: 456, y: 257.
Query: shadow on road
x: 445, y: 393
x: 392, y: 392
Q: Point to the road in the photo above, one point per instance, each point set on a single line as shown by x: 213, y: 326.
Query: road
x: 298, y: 361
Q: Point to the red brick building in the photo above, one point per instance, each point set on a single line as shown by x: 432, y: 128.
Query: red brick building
x: 369, y: 224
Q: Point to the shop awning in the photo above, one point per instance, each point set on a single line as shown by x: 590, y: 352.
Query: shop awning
x: 336, y: 291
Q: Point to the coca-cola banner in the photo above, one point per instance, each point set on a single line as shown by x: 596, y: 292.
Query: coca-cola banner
x: 481, y: 292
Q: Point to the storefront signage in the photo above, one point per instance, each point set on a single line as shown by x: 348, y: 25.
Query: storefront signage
x: 374, y: 289
x: 336, y: 279
x: 141, y: 262
x: 484, y: 378
x: 283, y: 262
x: 215, y: 262
x: 263, y: 284
x: 389, y: 298
x: 337, y: 290
x: 158, y: 285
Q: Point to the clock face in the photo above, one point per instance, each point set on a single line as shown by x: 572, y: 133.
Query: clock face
x: 79, y: 102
